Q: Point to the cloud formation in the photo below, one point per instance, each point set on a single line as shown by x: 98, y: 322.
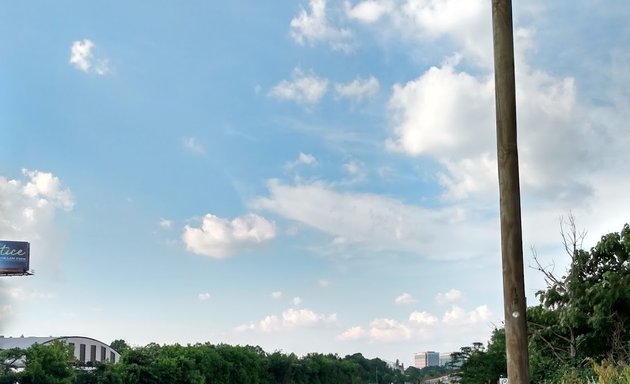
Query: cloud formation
x: 452, y: 296
x: 82, y: 58
x: 355, y: 220
x: 313, y: 27
x: 303, y: 88
x: 219, y: 238
x: 289, y: 319
x: 421, y: 325
x: 359, y: 89
x: 404, y: 299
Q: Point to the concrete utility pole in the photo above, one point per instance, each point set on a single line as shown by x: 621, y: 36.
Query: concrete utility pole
x: 510, y: 201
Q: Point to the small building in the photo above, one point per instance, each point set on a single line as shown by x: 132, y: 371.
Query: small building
x: 86, y: 349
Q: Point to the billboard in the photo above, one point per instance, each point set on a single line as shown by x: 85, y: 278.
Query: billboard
x: 14, y: 257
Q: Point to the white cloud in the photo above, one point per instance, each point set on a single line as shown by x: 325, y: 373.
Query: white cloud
x: 358, y: 89
x: 166, y: 223
x: 355, y: 220
x: 452, y: 296
x: 464, y: 326
x: 388, y: 330
x: 46, y: 188
x: 313, y: 27
x: 352, y: 167
x: 82, y: 58
x: 352, y: 333
x: 296, y: 301
x: 303, y: 88
x: 290, y: 319
x: 458, y: 316
x: 443, y: 113
x: 404, y: 299
x: 193, y: 145
x: 276, y: 294
x: 422, y: 318
x: 368, y: 11
x: 28, y: 209
x: 220, y: 238
x: 205, y: 296
x: 302, y: 159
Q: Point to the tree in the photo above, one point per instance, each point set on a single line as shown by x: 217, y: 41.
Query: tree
x: 119, y: 345
x: 586, y: 313
x: 480, y: 365
x: 50, y: 363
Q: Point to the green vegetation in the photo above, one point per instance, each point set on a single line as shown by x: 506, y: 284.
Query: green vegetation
x: 580, y: 331
x: 204, y: 363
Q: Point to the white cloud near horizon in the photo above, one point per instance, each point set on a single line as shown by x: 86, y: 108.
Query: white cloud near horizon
x: 219, y: 238
x: 276, y: 294
x: 313, y: 27
x: 404, y: 299
x: 289, y: 319
x: 82, y: 58
x: 451, y: 296
x: 425, y: 326
x: 303, y: 88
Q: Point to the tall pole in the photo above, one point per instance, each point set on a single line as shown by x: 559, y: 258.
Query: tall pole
x: 509, y: 194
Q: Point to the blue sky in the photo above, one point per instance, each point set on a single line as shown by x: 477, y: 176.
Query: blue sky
x: 300, y: 175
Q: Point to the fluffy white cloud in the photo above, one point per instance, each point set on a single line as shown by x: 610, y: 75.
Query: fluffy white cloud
x: 82, y: 58
x: 27, y: 209
x: 404, y: 299
x: 368, y: 11
x: 220, y: 238
x: 421, y: 325
x: 296, y: 300
x: 302, y: 159
x: 380, y: 223
x: 422, y: 318
x: 358, y: 89
x: 452, y: 296
x: 289, y: 319
x: 303, y: 88
x: 352, y: 333
x: 458, y: 316
x: 276, y: 294
x: 205, y: 296
x: 443, y: 113
x: 388, y: 330
x: 313, y: 27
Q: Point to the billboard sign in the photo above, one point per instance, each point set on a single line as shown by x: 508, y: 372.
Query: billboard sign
x: 14, y: 257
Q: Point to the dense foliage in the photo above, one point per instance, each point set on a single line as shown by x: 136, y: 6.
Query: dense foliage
x: 205, y: 363
x: 581, y: 328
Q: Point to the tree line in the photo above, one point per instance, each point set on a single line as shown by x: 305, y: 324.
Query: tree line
x: 54, y: 363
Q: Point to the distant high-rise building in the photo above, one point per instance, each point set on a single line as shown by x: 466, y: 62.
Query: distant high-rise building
x: 427, y: 359
x: 445, y: 358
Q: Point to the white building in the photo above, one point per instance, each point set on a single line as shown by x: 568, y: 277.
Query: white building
x: 86, y: 350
